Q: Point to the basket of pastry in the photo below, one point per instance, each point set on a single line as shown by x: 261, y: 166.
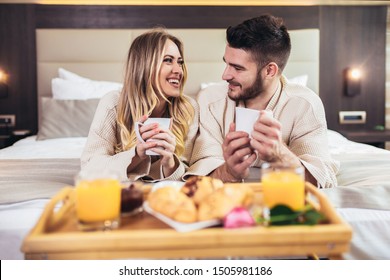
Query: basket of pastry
x: 203, y: 201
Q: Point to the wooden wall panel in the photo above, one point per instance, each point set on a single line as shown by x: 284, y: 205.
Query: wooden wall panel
x: 18, y: 59
x: 68, y: 16
x: 353, y: 36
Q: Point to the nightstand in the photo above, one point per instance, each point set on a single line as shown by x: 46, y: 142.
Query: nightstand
x: 372, y: 137
x: 16, y: 135
x: 5, y: 141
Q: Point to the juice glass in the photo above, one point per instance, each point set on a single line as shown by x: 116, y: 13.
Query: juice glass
x: 283, y: 184
x: 98, y: 201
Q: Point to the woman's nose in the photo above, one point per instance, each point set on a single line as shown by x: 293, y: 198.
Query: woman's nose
x: 177, y: 68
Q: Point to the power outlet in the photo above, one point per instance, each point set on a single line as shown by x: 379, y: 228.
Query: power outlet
x: 7, y: 120
x: 352, y: 117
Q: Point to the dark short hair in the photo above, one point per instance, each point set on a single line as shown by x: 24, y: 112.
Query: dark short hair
x: 265, y: 37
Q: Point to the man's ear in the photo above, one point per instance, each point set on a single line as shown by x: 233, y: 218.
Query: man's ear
x: 271, y: 69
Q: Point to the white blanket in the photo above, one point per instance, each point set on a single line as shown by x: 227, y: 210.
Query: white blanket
x: 33, y: 169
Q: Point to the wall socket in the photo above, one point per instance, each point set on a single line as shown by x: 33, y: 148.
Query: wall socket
x: 7, y: 120
x: 352, y: 117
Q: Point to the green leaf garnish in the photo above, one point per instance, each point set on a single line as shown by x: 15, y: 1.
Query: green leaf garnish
x: 284, y: 215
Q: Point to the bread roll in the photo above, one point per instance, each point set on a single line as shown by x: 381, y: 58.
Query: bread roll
x: 199, y: 187
x: 222, y: 201
x: 173, y: 204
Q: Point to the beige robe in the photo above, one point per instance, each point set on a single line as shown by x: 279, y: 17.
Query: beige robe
x: 304, y: 130
x: 99, y: 153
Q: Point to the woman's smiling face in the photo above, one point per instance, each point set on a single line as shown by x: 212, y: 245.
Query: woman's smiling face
x: 171, y: 71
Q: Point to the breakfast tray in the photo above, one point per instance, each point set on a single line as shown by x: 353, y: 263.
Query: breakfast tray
x: 56, y: 236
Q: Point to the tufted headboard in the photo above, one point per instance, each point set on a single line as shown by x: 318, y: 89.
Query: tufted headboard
x: 100, y: 54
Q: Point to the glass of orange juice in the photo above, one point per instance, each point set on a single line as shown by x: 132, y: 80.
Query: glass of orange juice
x: 283, y: 184
x: 98, y: 200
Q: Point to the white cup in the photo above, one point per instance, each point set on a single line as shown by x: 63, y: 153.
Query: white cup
x: 246, y: 118
x: 164, y: 123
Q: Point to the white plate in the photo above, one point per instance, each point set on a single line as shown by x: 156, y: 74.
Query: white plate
x: 161, y: 184
x: 180, y: 227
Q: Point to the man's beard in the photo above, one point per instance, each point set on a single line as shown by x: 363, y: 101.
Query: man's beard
x: 254, y: 90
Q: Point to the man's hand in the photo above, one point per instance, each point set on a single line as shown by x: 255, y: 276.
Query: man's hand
x: 268, y: 143
x: 238, y: 155
x: 267, y: 138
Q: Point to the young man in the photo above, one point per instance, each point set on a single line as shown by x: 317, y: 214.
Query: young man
x: 256, y: 53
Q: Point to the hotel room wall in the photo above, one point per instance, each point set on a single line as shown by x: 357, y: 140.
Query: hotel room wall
x: 18, y: 59
x: 353, y: 36
x: 348, y: 34
x: 388, y: 74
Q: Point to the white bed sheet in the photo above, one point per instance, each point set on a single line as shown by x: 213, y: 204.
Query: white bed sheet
x: 30, y: 148
x: 16, y: 221
x: 364, y: 203
x: 370, y: 237
x: 338, y: 144
x: 370, y: 226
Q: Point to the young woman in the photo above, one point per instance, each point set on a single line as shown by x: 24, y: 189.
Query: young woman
x: 153, y: 87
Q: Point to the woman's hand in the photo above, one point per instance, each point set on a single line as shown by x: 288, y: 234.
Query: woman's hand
x: 158, y: 140
x: 147, y: 132
x: 165, y: 147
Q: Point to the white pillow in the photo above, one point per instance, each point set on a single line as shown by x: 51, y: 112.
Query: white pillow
x: 64, y: 89
x: 73, y: 86
x: 300, y: 80
x: 67, y: 75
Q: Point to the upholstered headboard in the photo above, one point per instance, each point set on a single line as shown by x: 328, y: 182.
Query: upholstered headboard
x: 100, y: 54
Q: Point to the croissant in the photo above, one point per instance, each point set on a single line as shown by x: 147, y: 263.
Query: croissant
x: 222, y: 201
x: 173, y: 204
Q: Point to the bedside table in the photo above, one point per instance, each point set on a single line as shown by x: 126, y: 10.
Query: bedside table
x: 16, y: 135
x: 372, y: 137
x: 5, y: 141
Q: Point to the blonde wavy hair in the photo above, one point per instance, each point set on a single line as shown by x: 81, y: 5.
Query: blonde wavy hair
x: 141, y: 91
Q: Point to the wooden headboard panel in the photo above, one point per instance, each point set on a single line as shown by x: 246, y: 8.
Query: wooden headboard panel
x: 100, y: 54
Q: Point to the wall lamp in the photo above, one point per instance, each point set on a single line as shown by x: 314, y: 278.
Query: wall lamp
x: 352, y: 81
x: 3, y: 84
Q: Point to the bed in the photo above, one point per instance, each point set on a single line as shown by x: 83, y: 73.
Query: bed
x: 35, y: 168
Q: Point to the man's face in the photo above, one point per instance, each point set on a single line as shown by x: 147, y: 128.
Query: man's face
x: 241, y: 73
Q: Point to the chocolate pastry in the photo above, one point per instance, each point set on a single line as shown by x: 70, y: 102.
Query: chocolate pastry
x: 131, y: 199
x: 199, y: 187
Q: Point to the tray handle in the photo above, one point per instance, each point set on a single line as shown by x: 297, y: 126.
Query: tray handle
x: 65, y: 199
x: 50, y: 216
x: 324, y: 204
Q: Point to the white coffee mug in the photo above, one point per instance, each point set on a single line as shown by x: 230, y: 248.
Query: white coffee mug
x: 164, y: 123
x: 246, y: 118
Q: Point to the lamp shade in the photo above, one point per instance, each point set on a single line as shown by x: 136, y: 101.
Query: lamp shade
x: 352, y: 81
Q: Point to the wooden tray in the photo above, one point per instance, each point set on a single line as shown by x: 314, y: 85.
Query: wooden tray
x: 55, y: 236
